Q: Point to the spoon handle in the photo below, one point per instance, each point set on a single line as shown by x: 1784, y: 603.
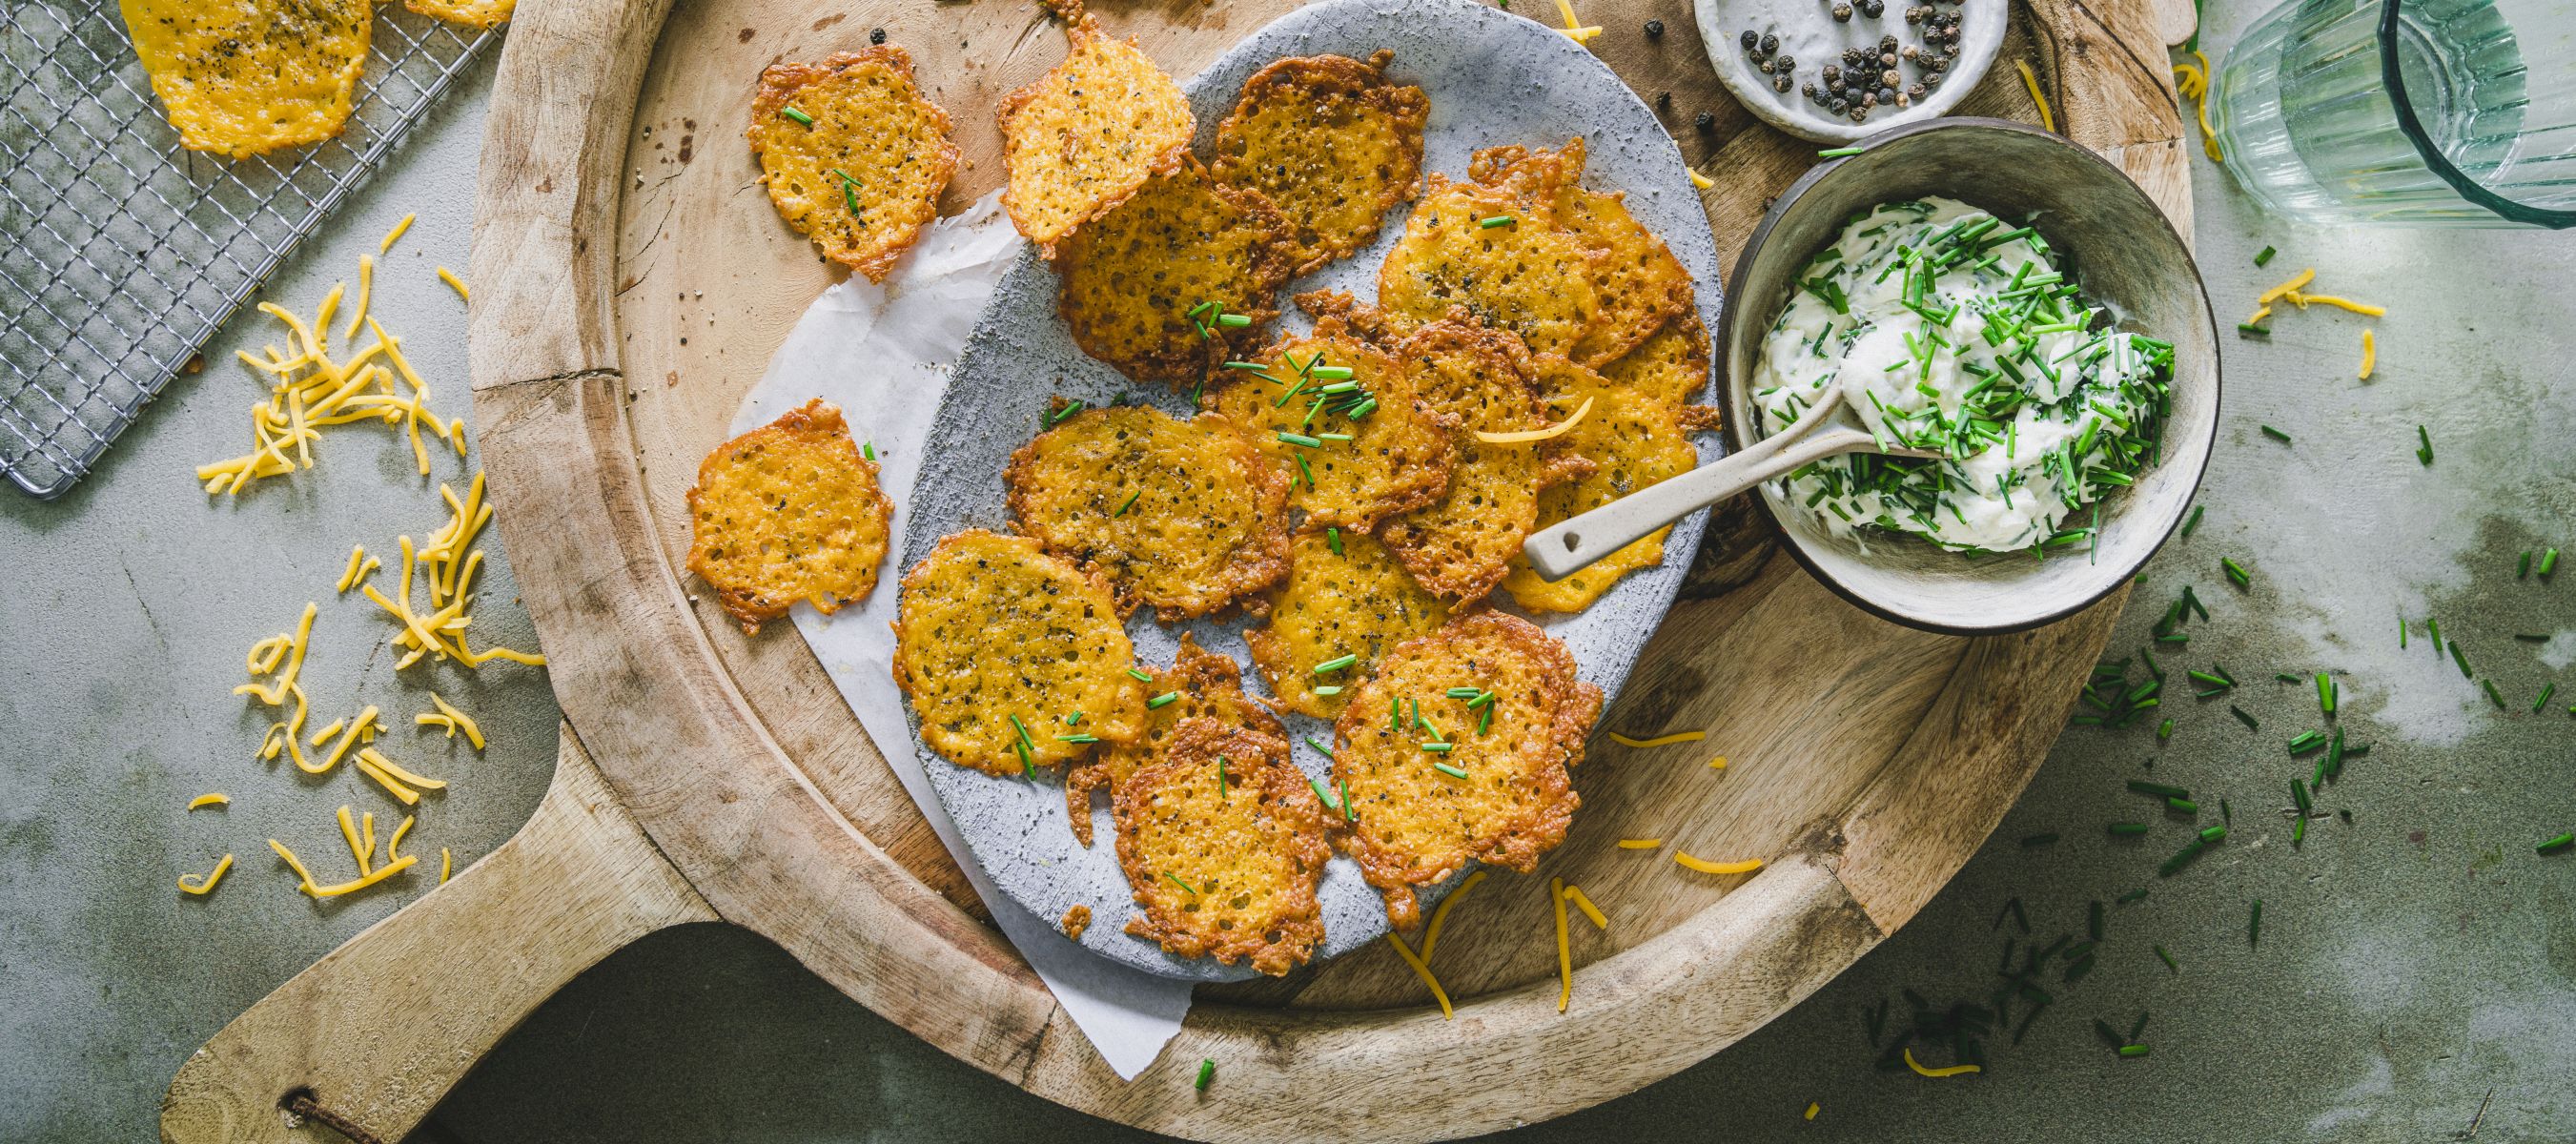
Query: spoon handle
x: 1564, y: 548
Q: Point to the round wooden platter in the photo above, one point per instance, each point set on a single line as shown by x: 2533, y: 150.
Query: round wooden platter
x: 631, y: 281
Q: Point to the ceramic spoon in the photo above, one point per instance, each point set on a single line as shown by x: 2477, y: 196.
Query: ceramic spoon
x: 1561, y: 549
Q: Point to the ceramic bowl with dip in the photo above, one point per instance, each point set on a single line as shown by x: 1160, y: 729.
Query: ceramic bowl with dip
x: 2065, y: 405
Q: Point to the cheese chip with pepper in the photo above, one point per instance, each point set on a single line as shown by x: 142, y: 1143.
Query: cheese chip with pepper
x: 1183, y: 515
x: 1397, y: 454
x: 1670, y: 366
x: 466, y: 13
x: 1633, y: 440
x: 1638, y: 283
x: 1163, y: 285
x: 1460, y: 546
x: 1499, y: 253
x: 996, y: 641
x: 789, y: 511
x: 246, y: 77
x: 1494, y: 701
x: 1204, y: 685
x: 1224, y: 845
x: 1332, y: 142
x: 1083, y: 137
x: 1346, y: 602
x: 853, y: 153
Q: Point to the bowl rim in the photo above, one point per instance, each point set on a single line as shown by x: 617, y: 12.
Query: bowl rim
x: 1732, y: 309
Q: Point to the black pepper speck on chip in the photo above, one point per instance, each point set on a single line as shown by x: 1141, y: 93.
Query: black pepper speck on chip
x: 1654, y: 29
x: 876, y: 36
x: 1707, y: 121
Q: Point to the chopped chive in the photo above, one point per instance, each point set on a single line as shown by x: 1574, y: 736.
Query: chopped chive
x: 1486, y: 718
x: 2168, y: 959
x: 2489, y: 684
x: 2110, y: 1036
x: 2299, y: 795
x: 1251, y: 365
x: 2159, y: 790
x: 2561, y: 842
x: 2194, y: 522
x: 796, y: 115
x: 2183, y: 805
x: 2093, y: 919
x: 1327, y: 689
x: 1838, y: 152
x: 1140, y: 675
x: 1463, y: 692
x: 2461, y: 658
x: 1234, y: 321
x: 1299, y: 439
x: 1438, y: 748
x: 2424, y: 452
x: 1448, y: 770
x: 1176, y: 880
x: 2226, y: 813
x: 1070, y: 408
x: 2548, y: 561
x: 2307, y: 740
x: 2213, y: 833
x: 2254, y: 925
x: 2524, y: 571
x: 1207, y: 1072
x: 2545, y: 692
x: 2164, y: 730
x: 2326, y: 692
x: 2133, y: 1050
x: 1203, y: 309
x: 1082, y: 737
x: 2244, y: 718
x: 1129, y: 503
x: 1028, y: 766
x: 1333, y: 373
x: 1165, y: 699
x: 1023, y: 729
x: 2182, y: 859
x: 1333, y: 539
x: 1220, y: 776
x: 2276, y: 434
x: 2252, y: 328
x: 1336, y: 664
x: 2128, y: 828
x: 1495, y: 221
x: 2236, y: 572
x: 1073, y: 719
x: 2034, y: 841
x: 2264, y: 256
x: 1348, y: 814
x: 869, y: 450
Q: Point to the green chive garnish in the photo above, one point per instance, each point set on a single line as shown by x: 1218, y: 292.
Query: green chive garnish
x: 1495, y: 221
x: 2264, y: 256
x: 796, y: 115
x: 1070, y: 408
x: 2031, y: 841
x: 2168, y: 959
x: 1207, y: 1072
x: 2489, y: 684
x: 1299, y: 439
x: 2545, y: 692
x: 1140, y: 676
x: 1176, y: 880
x: 1129, y: 503
x: 1448, y: 770
x: 2164, y: 730
x: 1487, y: 719
x: 1463, y: 692
x: 2093, y: 919
x: 1085, y: 737
x: 869, y: 450
x: 1333, y: 539
x: 1165, y: 699
x: 1323, y: 794
x: 2424, y: 452
x: 2194, y: 522
x: 2133, y: 1050
x: 1073, y: 719
x: 2136, y: 895
x: 1333, y: 373
x: 2183, y: 805
x: 2548, y: 561
x: 1234, y: 321
x: 1348, y: 813
x: 1838, y: 152
x: 2275, y: 434
x: 1327, y: 689
x: 1220, y: 776
x: 2326, y: 692
x: 1023, y: 729
x: 2254, y: 925
x: 2236, y: 572
x: 2244, y: 718
x: 1251, y: 365
x: 1320, y: 749
x: 2461, y: 658
x: 2561, y: 842
x: 1202, y: 310
x: 1336, y: 664
x: 2128, y: 828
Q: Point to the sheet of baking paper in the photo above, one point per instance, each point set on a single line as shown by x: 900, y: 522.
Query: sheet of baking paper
x: 882, y: 353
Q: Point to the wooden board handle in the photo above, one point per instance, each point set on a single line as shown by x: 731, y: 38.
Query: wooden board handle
x: 381, y: 1028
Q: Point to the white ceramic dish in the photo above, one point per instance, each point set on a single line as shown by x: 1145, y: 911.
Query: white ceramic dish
x: 1810, y: 35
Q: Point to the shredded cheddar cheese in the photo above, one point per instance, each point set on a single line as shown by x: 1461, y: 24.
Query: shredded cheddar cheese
x: 366, y: 290
x: 1640, y: 843
x: 446, y: 565
x: 369, y: 756
x: 1659, y: 740
x: 2283, y: 290
x: 206, y: 884
x: 1422, y: 971
x: 2260, y: 313
x: 1431, y: 933
x: 446, y: 863
x: 1705, y: 866
x: 1564, y: 945
x: 1575, y: 29
x: 211, y: 799
x: 1574, y: 894
x: 1701, y: 181
x: 366, y: 854
x: 281, y: 658
x: 2030, y: 83
x: 395, y: 234
x: 1936, y: 1074
x: 1812, y: 1109
x: 449, y: 276
x: 393, y: 845
x: 454, y: 720
x: 1527, y: 436
x: 359, y: 565
x: 2369, y: 354
x: 2301, y: 300
x: 317, y: 891
x: 1718, y: 763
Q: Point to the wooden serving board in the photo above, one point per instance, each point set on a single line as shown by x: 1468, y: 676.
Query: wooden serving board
x: 631, y: 281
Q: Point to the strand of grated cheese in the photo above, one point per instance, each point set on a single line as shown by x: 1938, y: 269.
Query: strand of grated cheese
x: 206, y: 885
x: 449, y: 276
x: 459, y: 721
x: 1574, y: 894
x: 212, y: 798
x: 2369, y: 354
x: 1705, y: 866
x: 1422, y: 971
x: 393, y: 845
x: 1564, y: 945
x: 364, y: 854
x: 397, y: 232
x: 1431, y: 933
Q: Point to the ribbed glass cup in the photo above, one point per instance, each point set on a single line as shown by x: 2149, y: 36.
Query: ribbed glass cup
x: 2405, y: 112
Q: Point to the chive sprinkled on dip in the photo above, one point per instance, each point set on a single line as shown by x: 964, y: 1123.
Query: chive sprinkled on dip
x: 1954, y: 332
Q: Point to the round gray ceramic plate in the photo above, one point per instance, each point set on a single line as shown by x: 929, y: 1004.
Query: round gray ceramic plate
x: 1493, y: 78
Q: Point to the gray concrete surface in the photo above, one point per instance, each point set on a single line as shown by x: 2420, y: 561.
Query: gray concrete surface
x: 2414, y: 959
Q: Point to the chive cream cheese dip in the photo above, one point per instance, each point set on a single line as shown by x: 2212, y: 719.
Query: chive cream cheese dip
x: 1951, y: 330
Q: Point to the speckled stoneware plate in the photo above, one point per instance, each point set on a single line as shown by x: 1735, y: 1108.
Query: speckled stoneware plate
x: 1810, y: 35
x: 1493, y: 78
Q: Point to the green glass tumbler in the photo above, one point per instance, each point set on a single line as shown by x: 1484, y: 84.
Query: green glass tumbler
x: 2405, y: 112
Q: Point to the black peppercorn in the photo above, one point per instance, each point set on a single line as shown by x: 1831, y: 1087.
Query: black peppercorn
x: 1654, y: 29
x: 1767, y: 66
x: 1937, y: 64
x: 1932, y: 80
x: 1770, y: 44
x: 1749, y: 39
x: 1886, y: 95
x: 876, y: 36
x: 1663, y: 101
x: 1842, y: 13
x: 1788, y: 64
x: 1889, y: 78
x: 1886, y: 44
x: 1807, y: 89
x: 1832, y: 75
x: 1902, y: 100
x: 1706, y: 121
x: 1840, y: 105
x: 1917, y: 90
x: 1780, y: 83
x: 1873, y: 8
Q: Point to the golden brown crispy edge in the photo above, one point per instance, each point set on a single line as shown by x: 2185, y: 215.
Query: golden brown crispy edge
x: 1272, y: 949
x: 1080, y: 27
x: 815, y: 416
x: 1404, y: 104
x: 780, y: 82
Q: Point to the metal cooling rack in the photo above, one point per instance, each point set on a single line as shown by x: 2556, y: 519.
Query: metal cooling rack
x: 121, y: 253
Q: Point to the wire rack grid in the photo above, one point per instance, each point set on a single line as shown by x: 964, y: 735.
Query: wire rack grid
x: 123, y: 252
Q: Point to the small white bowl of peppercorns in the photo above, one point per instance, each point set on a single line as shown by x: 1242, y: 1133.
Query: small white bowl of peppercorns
x: 1836, y: 71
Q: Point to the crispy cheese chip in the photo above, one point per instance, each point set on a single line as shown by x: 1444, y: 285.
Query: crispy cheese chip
x: 1088, y: 134
x: 1416, y: 825
x: 1223, y: 845
x: 246, y: 77
x: 789, y: 511
x: 466, y: 13
x: 1183, y: 515
x: 997, y: 640
x: 1144, y: 287
x: 1499, y: 253
x: 863, y: 178
x: 1353, y: 602
x: 1639, y: 284
x: 1670, y: 366
x: 1209, y: 686
x: 1633, y: 440
x: 1398, y: 454
x: 1461, y: 545
x: 1333, y: 144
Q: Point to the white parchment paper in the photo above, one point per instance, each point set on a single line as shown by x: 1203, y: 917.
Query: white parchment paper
x: 882, y: 353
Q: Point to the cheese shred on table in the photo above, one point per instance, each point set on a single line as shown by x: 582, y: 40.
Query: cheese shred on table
x: 214, y: 798
x: 1431, y: 933
x: 1422, y: 971
x: 1705, y: 866
x: 454, y: 720
x: 206, y: 884
x: 1599, y: 920
x: 1659, y: 740
x: 446, y: 565
x: 316, y: 890
x: 1564, y: 945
